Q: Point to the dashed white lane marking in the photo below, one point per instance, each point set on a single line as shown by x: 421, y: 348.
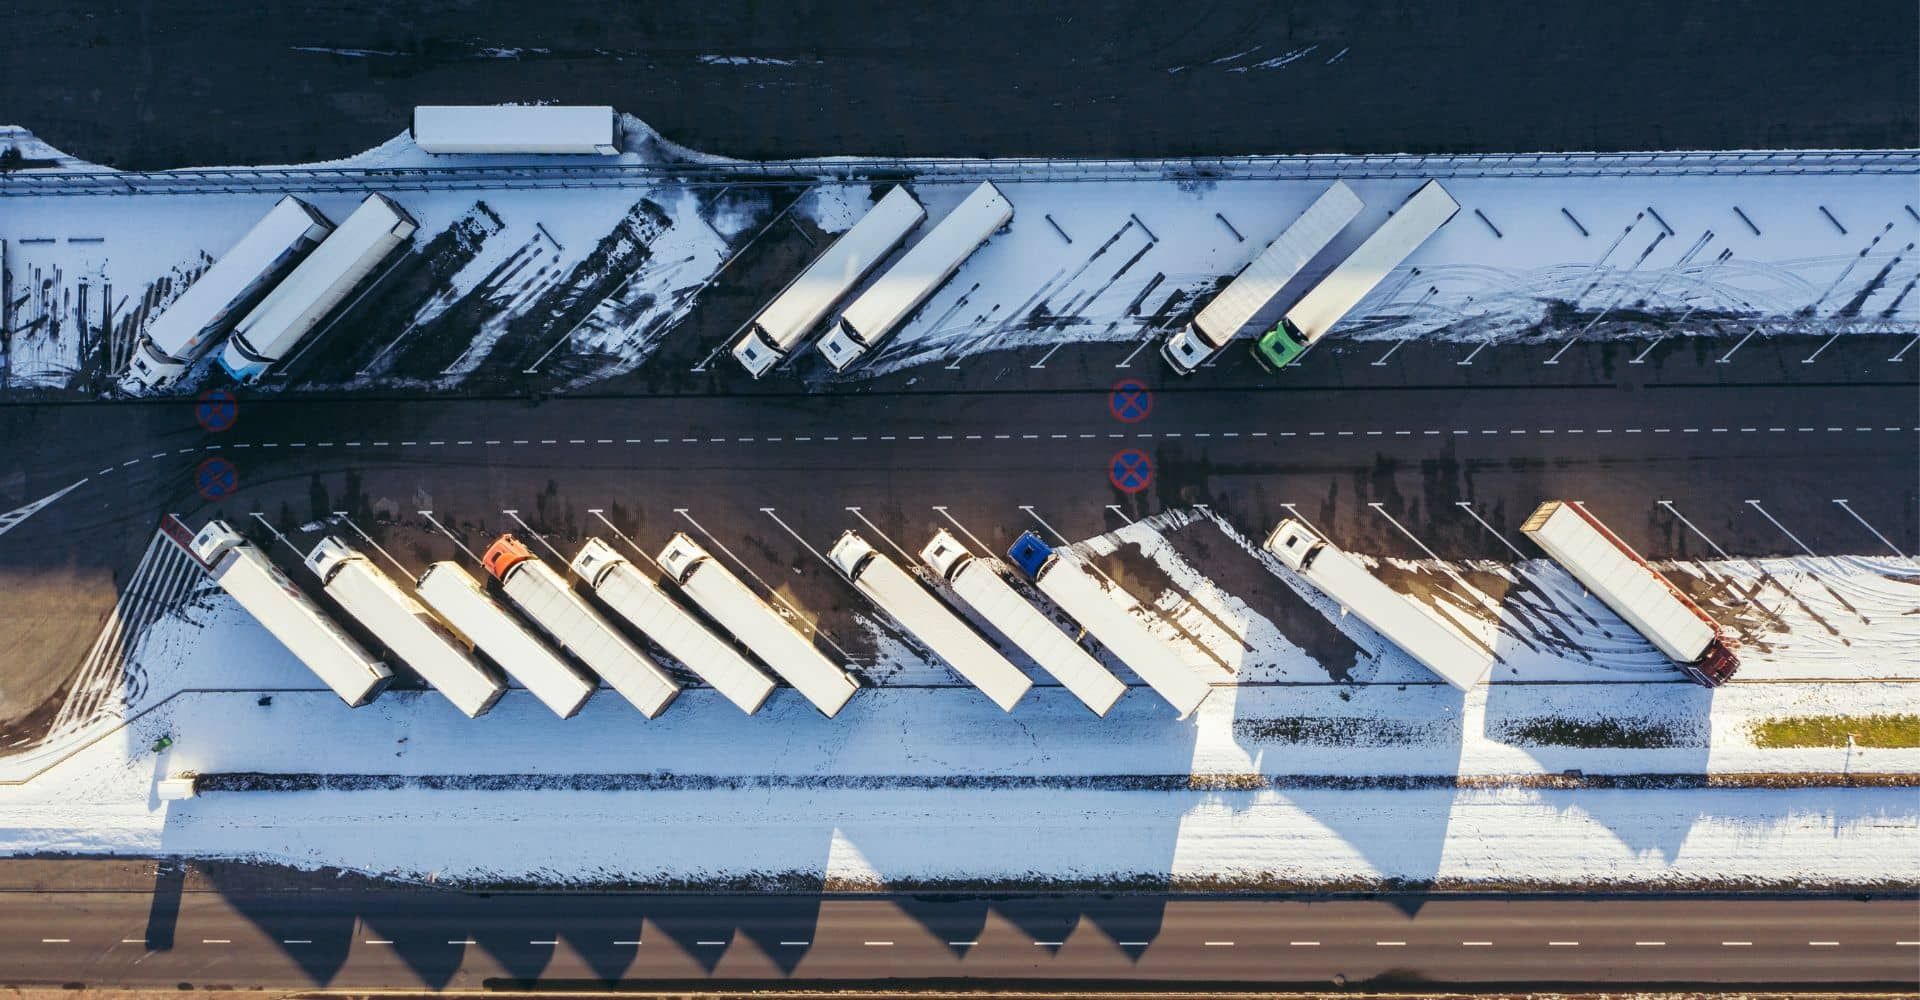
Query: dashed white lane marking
x: 1476, y: 944
x: 555, y: 943
x: 464, y: 941
x: 296, y: 941
x: 1390, y: 944
x: 1823, y: 944
x: 215, y: 941
x: 378, y: 941
x: 1049, y: 944
x: 711, y: 944
x: 1736, y: 944
x: 1563, y: 944
x: 133, y: 940
x: 1218, y: 944
x: 795, y: 944
x: 629, y: 943
x: 1133, y: 944
x: 56, y: 940
x: 1649, y: 944
x: 879, y: 944
x: 961, y: 944
x: 130, y: 461
x: 1304, y: 944
x: 1907, y: 944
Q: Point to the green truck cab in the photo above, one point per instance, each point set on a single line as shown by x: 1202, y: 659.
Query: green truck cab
x: 1278, y: 347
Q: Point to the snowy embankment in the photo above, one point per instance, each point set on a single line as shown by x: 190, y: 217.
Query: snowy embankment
x: 1529, y: 258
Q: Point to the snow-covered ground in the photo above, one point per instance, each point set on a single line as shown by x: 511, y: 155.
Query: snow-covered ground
x: 1265, y: 785
x: 1528, y: 257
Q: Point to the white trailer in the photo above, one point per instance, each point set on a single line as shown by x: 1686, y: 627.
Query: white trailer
x: 456, y: 596
x: 1418, y: 218
x: 549, y: 602
x: 1610, y: 568
x: 1436, y: 645
x: 404, y: 627
x: 916, y: 276
x: 786, y: 321
x: 628, y: 592
x: 1086, y: 600
x: 1256, y: 284
x: 923, y: 616
x: 508, y: 128
x: 983, y: 589
x: 756, y: 625
x: 252, y: 579
x: 317, y: 285
x: 178, y: 336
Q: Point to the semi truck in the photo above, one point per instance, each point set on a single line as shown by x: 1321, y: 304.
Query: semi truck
x: 1418, y: 218
x: 1611, y: 570
x: 545, y: 129
x: 317, y: 285
x: 982, y: 588
x: 1437, y: 646
x: 1086, y: 600
x: 1258, y: 283
x: 897, y: 593
x: 634, y: 597
x: 916, y: 276
x: 757, y: 626
x: 799, y: 308
x: 245, y: 573
x: 406, y: 628
x: 178, y: 336
x: 547, y: 600
x: 456, y: 596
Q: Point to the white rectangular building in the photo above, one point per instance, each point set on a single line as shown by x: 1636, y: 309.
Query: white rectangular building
x: 758, y: 627
x: 252, y: 579
x: 181, y: 334
x: 921, y: 614
x: 455, y: 595
x: 916, y: 276
x: 988, y: 594
x: 634, y: 597
x: 504, y: 128
x: 317, y: 285
x: 807, y: 299
x: 404, y: 627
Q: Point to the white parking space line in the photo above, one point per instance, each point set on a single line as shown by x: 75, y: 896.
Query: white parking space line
x: 775, y: 594
x: 1902, y: 352
x: 912, y: 564
x: 1668, y: 504
x: 1842, y: 503
x: 994, y: 556
x: 1467, y: 506
x: 1755, y: 504
x: 1383, y: 358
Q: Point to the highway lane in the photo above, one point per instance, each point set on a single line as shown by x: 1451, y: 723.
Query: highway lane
x: 361, y: 939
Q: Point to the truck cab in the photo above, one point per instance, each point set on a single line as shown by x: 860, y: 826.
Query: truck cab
x: 1030, y: 554
x: 850, y: 553
x: 1186, y: 350
x: 505, y: 553
x: 1279, y: 347
x: 1295, y: 544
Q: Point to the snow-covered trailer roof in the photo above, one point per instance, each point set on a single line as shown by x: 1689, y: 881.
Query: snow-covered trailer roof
x: 808, y: 298
x: 1418, y: 218
x: 457, y: 596
x: 933, y: 623
x: 987, y: 593
x: 1262, y: 279
x: 1073, y: 587
x: 343, y: 260
x: 589, y: 129
x: 177, y: 336
x: 404, y: 626
x: 1616, y: 574
x: 1437, y: 646
x: 917, y: 275
x: 634, y: 597
x: 758, y: 627
x: 252, y: 579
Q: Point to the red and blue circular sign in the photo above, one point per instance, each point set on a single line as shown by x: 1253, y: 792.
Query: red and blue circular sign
x: 1131, y: 471
x: 216, y: 410
x: 216, y: 479
x: 1130, y: 401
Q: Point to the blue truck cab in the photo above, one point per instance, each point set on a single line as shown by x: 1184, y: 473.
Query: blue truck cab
x: 1030, y: 554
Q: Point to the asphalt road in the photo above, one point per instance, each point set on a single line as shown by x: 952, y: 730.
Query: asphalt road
x: 402, y: 938
x: 201, y: 83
